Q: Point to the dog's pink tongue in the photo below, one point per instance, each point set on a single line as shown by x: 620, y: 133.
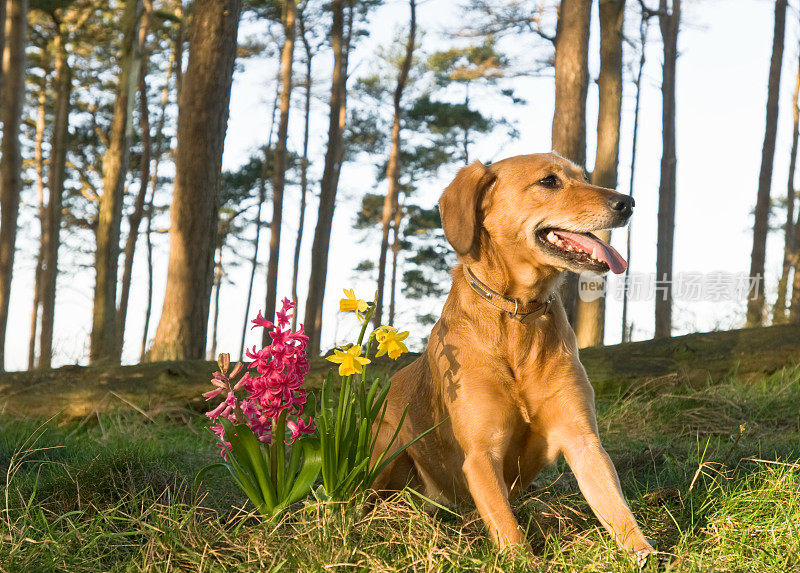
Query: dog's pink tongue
x: 605, y: 252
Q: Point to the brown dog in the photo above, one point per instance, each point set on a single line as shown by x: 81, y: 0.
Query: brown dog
x: 501, y: 365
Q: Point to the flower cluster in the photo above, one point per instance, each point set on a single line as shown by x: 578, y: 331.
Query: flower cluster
x: 275, y: 386
x: 389, y: 339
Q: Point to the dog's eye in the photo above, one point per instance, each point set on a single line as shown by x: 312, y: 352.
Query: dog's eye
x: 551, y: 182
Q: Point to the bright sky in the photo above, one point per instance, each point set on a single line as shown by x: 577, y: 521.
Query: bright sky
x: 721, y: 93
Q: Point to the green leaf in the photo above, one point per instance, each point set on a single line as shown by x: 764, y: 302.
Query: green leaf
x: 279, y: 447
x: 312, y: 462
x: 381, y: 467
x: 203, y: 471
x: 247, y: 450
x: 378, y: 403
x: 245, y: 483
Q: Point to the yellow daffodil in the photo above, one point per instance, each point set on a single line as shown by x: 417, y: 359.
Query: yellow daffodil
x: 349, y: 361
x: 390, y: 342
x: 351, y: 303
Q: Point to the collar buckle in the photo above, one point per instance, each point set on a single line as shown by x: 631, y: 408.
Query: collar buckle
x: 520, y: 312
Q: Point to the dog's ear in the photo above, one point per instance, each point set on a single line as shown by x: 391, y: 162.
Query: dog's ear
x: 458, y: 205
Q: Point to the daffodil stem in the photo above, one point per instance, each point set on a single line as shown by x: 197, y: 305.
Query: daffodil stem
x: 343, y: 394
x: 363, y: 389
x: 366, y: 355
x: 367, y: 318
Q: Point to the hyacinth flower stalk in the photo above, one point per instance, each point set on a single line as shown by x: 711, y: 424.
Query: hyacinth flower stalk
x: 263, y: 413
x: 346, y: 426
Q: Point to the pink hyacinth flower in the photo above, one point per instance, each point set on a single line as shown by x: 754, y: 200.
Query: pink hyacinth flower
x: 299, y: 427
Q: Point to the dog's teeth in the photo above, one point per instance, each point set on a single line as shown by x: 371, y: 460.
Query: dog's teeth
x: 594, y: 253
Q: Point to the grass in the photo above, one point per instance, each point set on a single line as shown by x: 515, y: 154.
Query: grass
x: 113, y: 493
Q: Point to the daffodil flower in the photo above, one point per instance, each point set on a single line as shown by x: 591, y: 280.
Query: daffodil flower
x: 349, y: 361
x: 390, y: 342
x: 351, y: 303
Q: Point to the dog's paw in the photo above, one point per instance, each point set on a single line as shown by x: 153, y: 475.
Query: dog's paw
x: 645, y: 558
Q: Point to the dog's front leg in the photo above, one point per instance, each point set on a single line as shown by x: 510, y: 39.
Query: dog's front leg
x: 485, y: 480
x: 599, y: 483
x: 483, y: 424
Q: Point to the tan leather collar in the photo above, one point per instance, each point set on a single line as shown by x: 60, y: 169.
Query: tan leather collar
x: 523, y: 312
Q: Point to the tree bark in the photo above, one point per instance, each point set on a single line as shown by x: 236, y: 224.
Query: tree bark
x: 180, y: 41
x: 572, y: 80
x: 172, y: 68
x: 303, y: 168
x: 56, y: 177
x: 329, y: 183
x: 103, y: 345
x: 262, y: 195
x: 755, y: 299
x: 779, y: 312
x: 279, y: 176
x: 569, y: 117
x: 2, y: 39
x: 398, y: 218
x: 669, y: 21
x: 643, y: 27
x: 11, y: 101
x: 149, y: 305
x: 202, y: 123
x: 393, y: 167
x: 135, y: 218
x: 590, y: 316
x: 217, y: 284
x: 38, y: 159
x: 794, y: 306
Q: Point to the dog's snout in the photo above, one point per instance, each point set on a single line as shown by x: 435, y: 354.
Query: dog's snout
x: 623, y: 204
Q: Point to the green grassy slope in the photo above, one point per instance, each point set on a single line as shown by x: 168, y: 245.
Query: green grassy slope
x: 112, y: 492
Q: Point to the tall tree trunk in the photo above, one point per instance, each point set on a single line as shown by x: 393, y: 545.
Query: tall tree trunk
x: 755, y: 299
x: 794, y: 306
x: 396, y: 244
x: 103, y: 344
x: 329, y: 184
x: 202, y: 123
x: 11, y: 101
x: 779, y: 312
x: 279, y: 176
x: 393, y: 167
x: 590, y: 316
x: 58, y: 160
x: 669, y: 21
x: 135, y: 218
x: 262, y: 195
x: 172, y: 68
x: 572, y: 80
x: 569, y: 117
x: 303, y: 168
x: 38, y: 159
x: 217, y: 284
x: 2, y: 40
x: 149, y: 252
x: 180, y: 43
x: 643, y: 27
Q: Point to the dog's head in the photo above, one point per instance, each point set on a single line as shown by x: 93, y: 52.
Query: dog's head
x: 534, y: 208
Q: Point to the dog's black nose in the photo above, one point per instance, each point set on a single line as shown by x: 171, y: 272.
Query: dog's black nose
x: 623, y: 204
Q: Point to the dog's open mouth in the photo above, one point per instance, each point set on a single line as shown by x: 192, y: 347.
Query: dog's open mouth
x: 583, y: 250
